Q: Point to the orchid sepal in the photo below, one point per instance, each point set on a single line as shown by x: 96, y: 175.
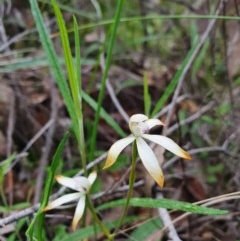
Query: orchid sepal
x: 168, y: 144
x: 116, y: 149
x: 150, y: 161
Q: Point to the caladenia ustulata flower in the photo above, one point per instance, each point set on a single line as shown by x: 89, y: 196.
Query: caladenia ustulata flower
x: 82, y: 187
x: 140, y: 125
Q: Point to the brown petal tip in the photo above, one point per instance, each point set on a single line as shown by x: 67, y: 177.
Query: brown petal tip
x: 159, y: 180
x: 45, y: 209
x: 74, y: 226
x: 109, y: 162
x: 187, y: 156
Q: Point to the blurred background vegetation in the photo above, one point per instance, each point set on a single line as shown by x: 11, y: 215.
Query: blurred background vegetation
x: 152, y: 42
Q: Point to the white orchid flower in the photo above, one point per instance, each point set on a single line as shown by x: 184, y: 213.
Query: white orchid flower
x: 80, y: 184
x: 140, y: 125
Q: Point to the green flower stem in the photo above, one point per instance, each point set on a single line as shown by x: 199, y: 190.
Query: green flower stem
x: 131, y: 182
x: 97, y: 220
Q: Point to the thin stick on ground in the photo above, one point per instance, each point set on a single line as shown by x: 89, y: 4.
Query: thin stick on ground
x: 19, y: 215
x: 191, y: 118
x: 163, y: 213
x: 32, y: 141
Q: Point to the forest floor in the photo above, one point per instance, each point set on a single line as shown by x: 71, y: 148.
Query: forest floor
x: 202, y: 113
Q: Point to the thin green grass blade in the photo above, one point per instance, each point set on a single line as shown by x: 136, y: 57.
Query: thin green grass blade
x: 146, y: 95
x: 199, y: 59
x: 78, y: 60
x: 105, y: 73
x: 33, y: 62
x: 164, y: 203
x: 72, y: 10
x: 91, y: 230
x: 74, y: 85
x: 171, y: 87
x: 36, y: 226
x: 79, y: 83
x: 53, y: 60
x: 104, y: 115
x: 143, y: 231
x: 15, y: 207
x: 150, y: 17
x: 203, y: 53
x: 4, y: 168
x: 74, y: 76
x: 73, y: 82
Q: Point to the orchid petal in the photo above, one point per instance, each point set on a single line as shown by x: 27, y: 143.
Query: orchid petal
x: 92, y: 177
x: 80, y: 184
x: 116, y: 149
x: 64, y: 199
x: 78, y: 212
x: 154, y: 122
x: 150, y: 162
x: 168, y: 144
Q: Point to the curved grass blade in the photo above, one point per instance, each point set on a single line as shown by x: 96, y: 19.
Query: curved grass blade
x: 164, y: 203
x: 104, y: 114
